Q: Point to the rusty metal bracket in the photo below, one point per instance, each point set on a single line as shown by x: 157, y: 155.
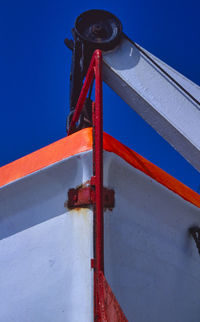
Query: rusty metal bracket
x: 84, y: 196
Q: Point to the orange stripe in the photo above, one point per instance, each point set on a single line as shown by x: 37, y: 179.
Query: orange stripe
x: 142, y: 164
x: 59, y: 150
x: 82, y: 142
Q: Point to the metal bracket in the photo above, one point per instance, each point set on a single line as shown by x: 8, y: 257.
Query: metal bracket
x: 195, y: 232
x: 84, y: 196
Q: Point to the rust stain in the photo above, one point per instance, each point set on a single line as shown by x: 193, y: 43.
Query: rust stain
x: 79, y: 211
x: 82, y: 216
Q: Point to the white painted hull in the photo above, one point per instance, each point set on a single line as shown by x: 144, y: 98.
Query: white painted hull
x: 151, y: 262
x: 45, y: 250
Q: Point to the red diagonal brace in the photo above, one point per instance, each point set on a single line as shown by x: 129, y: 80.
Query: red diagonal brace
x: 83, y: 94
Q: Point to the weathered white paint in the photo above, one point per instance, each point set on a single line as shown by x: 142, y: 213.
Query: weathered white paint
x: 151, y: 262
x: 156, y: 98
x: 46, y: 250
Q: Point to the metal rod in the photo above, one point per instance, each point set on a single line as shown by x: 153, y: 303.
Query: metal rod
x: 95, y: 69
x: 98, y: 162
x: 98, y: 175
x: 83, y: 94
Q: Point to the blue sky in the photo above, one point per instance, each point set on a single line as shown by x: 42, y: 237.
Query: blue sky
x: 35, y: 67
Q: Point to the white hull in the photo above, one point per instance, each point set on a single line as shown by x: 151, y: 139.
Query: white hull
x: 151, y: 262
x: 45, y: 250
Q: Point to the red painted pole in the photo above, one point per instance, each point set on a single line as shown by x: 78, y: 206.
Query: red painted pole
x: 98, y: 182
x: 98, y: 162
x: 98, y: 213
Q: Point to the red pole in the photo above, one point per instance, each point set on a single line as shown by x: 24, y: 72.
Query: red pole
x: 98, y: 213
x: 98, y: 182
x: 98, y: 162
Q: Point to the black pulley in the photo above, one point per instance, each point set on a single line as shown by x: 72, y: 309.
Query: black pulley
x: 94, y: 29
x: 99, y: 29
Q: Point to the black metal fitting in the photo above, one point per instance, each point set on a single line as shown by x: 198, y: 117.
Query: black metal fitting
x: 94, y: 29
x: 195, y: 232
